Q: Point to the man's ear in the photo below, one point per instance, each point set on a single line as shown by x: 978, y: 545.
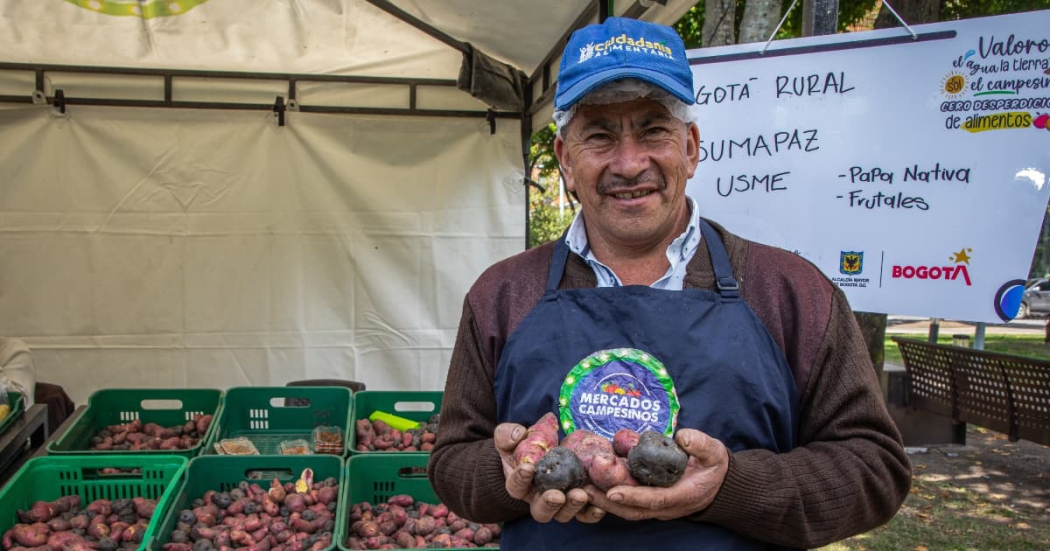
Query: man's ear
x: 692, y: 147
x: 561, y: 151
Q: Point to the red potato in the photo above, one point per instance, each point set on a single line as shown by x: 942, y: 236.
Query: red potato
x: 64, y: 540
x: 42, y: 511
x: 202, y: 424
x: 144, y: 507
x: 401, y: 500
x: 588, y: 446
x: 260, y: 535
x: 116, y: 530
x: 27, y: 536
x: 540, y: 437
x: 59, y: 524
x: 608, y: 470
x: 624, y: 440
x: 98, y: 530
x: 482, y: 536
x: 177, y: 547
x: 79, y: 522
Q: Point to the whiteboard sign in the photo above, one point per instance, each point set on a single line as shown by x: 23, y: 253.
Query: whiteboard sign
x: 911, y: 171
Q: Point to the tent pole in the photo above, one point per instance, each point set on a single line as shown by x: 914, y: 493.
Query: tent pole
x: 526, y: 152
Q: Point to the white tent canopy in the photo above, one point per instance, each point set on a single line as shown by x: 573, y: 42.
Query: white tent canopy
x: 210, y: 245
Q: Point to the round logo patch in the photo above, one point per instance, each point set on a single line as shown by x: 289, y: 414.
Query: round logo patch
x: 146, y: 9
x: 618, y: 389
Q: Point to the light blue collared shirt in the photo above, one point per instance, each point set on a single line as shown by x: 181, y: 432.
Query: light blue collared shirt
x: 679, y: 252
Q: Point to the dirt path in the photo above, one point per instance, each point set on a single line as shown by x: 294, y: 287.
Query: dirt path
x: 1015, y: 474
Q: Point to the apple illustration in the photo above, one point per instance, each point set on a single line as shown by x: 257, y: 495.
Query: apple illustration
x: 1041, y: 120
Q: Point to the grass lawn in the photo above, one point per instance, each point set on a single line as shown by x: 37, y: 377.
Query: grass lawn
x: 1029, y: 346
x: 941, y: 515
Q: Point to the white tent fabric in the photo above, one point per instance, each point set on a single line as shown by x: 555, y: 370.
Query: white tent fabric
x: 147, y: 247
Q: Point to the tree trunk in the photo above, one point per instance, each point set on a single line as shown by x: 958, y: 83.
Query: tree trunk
x: 719, y: 23
x: 873, y: 328
x: 759, y: 20
x: 913, y: 12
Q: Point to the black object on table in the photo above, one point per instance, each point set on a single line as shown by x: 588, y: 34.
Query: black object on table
x: 22, y: 438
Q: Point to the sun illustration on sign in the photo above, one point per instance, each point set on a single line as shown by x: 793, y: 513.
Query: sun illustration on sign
x: 146, y: 9
x: 953, y: 84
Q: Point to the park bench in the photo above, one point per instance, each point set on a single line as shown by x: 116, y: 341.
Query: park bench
x: 1001, y: 392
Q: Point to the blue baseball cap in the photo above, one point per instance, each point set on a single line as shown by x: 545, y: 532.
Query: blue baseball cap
x: 623, y: 48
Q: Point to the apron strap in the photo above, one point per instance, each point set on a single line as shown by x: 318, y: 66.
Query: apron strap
x: 727, y: 284
x: 558, y: 260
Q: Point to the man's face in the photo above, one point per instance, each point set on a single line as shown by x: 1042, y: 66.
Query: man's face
x: 628, y: 163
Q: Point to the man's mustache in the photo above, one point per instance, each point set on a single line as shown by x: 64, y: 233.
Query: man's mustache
x: 613, y: 184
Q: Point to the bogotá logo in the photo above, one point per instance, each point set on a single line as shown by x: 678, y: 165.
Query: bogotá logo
x: 851, y: 262
x: 1008, y: 299
x: 617, y: 389
x: 146, y: 9
x: 945, y: 273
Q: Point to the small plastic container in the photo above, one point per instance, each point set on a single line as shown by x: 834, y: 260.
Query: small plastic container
x: 328, y: 440
x: 295, y: 447
x: 236, y: 446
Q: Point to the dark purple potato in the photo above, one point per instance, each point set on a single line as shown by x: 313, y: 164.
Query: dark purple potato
x: 558, y: 469
x: 657, y: 460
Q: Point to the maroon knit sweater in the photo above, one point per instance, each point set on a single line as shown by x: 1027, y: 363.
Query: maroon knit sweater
x: 848, y: 474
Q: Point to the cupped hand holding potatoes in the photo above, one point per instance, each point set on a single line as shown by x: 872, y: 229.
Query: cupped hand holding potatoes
x: 635, y: 476
x: 520, y: 470
x: 708, y: 461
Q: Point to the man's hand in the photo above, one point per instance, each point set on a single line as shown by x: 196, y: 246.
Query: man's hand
x: 549, y: 505
x: 708, y: 463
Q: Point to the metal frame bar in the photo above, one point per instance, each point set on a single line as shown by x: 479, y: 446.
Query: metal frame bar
x: 543, y: 69
x: 434, y: 32
x: 168, y: 76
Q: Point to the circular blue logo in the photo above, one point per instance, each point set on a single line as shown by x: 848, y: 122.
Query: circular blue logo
x: 1008, y: 299
x: 618, y: 389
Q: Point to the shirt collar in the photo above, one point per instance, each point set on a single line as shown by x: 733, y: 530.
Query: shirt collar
x: 679, y: 252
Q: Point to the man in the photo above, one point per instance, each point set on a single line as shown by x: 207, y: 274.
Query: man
x: 649, y: 317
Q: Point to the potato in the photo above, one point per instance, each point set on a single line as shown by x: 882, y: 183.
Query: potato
x: 558, y: 469
x: 59, y: 524
x: 624, y: 440
x: 539, y: 438
x: 116, y: 530
x: 143, y: 507
x: 608, y: 470
x: 27, y: 536
x: 657, y: 460
x: 482, y: 536
x: 588, y: 446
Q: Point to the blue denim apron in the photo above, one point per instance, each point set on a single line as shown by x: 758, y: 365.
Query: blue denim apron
x: 730, y: 379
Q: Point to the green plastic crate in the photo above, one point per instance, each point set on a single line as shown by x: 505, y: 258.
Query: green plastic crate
x: 418, y: 405
x: 376, y: 478
x: 166, y: 407
x: 14, y: 399
x: 223, y: 473
x: 270, y: 415
x: 51, y: 477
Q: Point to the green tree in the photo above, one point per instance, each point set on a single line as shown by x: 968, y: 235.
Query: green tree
x: 547, y: 218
